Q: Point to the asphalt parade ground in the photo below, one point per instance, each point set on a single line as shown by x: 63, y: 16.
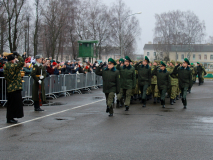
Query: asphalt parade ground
x: 80, y: 129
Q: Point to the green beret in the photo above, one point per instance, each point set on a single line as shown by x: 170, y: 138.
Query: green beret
x: 162, y: 63
x: 187, y: 61
x: 121, y: 60
x: 127, y: 58
x: 192, y: 64
x: 110, y: 60
x: 198, y: 62
x: 38, y: 56
x: 147, y: 59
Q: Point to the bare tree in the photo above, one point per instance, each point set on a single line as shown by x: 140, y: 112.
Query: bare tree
x: 178, y: 28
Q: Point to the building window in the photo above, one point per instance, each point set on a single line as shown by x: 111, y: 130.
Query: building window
x: 182, y: 56
x: 147, y: 53
x: 211, y: 57
x: 193, y: 56
x: 199, y: 56
x: 205, y: 57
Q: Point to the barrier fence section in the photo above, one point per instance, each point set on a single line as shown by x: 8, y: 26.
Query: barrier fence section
x: 55, y: 84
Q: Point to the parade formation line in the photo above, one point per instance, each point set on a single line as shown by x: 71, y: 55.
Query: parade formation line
x: 48, y: 115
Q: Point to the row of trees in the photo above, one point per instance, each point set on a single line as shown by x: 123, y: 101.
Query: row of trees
x: 53, y: 27
x: 182, y: 29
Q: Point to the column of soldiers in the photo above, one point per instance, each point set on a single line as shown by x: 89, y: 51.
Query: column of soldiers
x: 143, y: 80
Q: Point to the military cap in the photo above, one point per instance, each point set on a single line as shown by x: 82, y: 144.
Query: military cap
x: 192, y: 64
x: 162, y: 63
x: 187, y: 61
x: 198, y: 62
x: 38, y: 56
x: 111, y: 61
x: 147, y: 59
x: 173, y: 62
x: 127, y: 58
x: 121, y: 60
x: 10, y: 57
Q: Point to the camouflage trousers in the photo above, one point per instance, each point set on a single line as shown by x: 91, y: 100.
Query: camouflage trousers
x: 109, y: 100
x: 153, y: 89
x: 136, y: 90
x: 173, y: 91
x: 126, y: 93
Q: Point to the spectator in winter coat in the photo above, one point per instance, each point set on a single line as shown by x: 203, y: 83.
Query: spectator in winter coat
x: 27, y: 68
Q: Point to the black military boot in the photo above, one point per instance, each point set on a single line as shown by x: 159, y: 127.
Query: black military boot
x: 140, y: 97
x: 163, y: 103
x: 107, y: 109
x: 117, y: 104
x: 144, y: 103
x: 111, y: 112
x: 174, y: 101
x: 155, y: 100
x: 184, y: 104
x: 177, y: 98
x: 180, y: 95
x: 171, y: 101
x: 127, y: 108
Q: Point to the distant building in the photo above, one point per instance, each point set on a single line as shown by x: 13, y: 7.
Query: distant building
x: 202, y: 53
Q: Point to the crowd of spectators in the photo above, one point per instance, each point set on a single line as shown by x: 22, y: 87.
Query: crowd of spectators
x: 53, y: 67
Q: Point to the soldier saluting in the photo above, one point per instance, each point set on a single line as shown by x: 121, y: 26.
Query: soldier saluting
x: 38, y: 74
x: 12, y: 75
x: 185, y: 79
x: 111, y: 83
x: 127, y: 80
x: 144, y: 78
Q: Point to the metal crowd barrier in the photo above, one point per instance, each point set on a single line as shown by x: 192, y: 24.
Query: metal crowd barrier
x: 54, y: 85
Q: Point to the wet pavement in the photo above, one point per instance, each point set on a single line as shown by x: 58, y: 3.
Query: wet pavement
x: 80, y: 129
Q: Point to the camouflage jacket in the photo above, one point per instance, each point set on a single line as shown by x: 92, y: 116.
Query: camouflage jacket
x: 154, y: 77
x: 174, y: 79
x: 12, y: 75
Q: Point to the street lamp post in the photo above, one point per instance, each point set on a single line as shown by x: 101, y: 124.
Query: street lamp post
x: 121, y: 43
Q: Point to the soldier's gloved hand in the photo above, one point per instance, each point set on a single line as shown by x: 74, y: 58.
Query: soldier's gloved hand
x: 39, y: 81
x: 41, y: 77
x: 178, y: 65
x: 15, y: 53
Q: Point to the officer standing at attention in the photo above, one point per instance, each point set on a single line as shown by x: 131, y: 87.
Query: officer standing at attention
x: 144, y: 78
x: 127, y: 80
x: 163, y: 80
x: 185, y: 79
x: 38, y: 74
x: 13, y: 78
x: 111, y: 83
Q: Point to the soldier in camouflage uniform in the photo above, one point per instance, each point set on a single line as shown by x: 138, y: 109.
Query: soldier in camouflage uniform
x: 203, y: 73
x: 174, y: 84
x: 193, y: 75
x: 14, y: 87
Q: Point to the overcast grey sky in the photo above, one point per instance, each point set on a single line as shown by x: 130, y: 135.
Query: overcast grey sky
x: 202, y: 8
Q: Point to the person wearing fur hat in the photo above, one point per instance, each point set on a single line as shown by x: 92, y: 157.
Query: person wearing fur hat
x: 12, y: 75
x: 128, y: 82
x: 163, y: 80
x: 185, y: 79
x: 38, y: 74
x: 144, y: 78
x: 111, y: 83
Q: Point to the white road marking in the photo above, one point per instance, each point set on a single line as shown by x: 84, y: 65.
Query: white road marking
x: 49, y: 115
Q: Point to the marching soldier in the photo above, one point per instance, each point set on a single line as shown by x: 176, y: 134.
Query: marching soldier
x: 185, y: 78
x: 163, y: 80
x: 38, y: 74
x: 144, y: 78
x: 119, y: 103
x: 111, y: 83
x: 127, y: 80
x: 13, y: 78
x: 199, y: 70
x: 174, y: 84
x: 154, y: 86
